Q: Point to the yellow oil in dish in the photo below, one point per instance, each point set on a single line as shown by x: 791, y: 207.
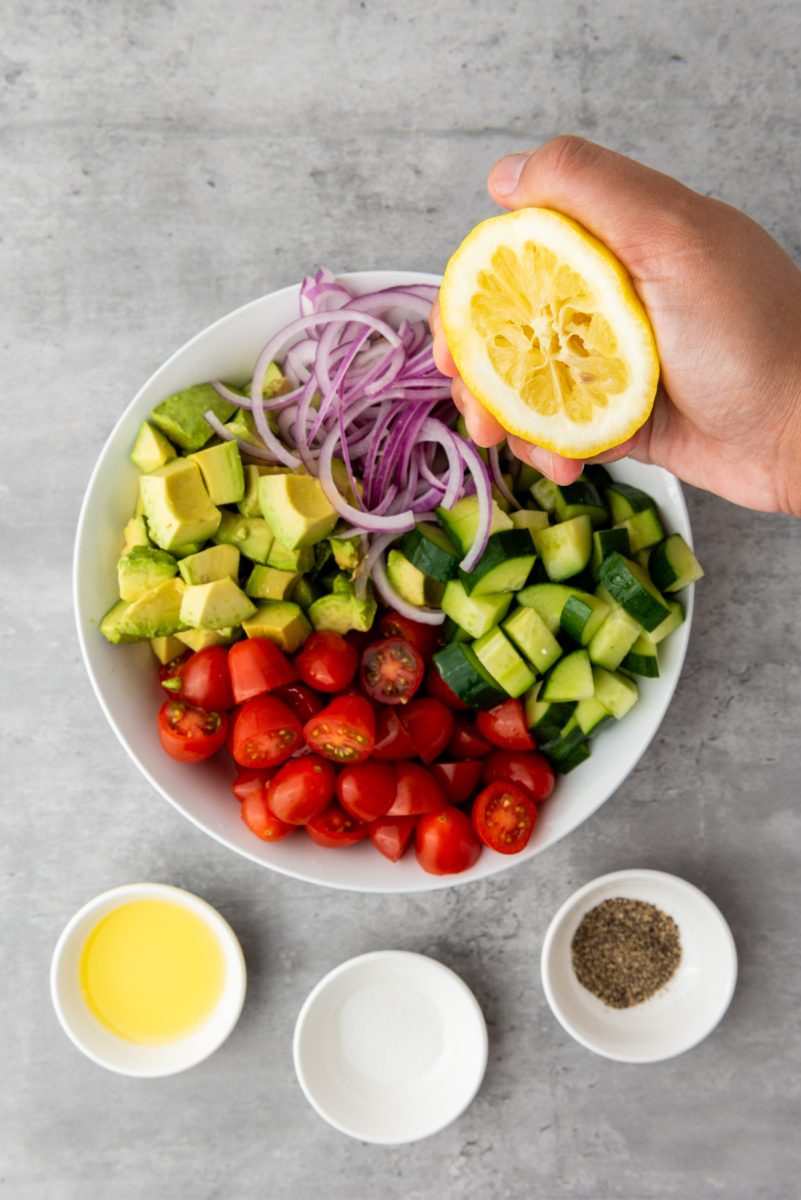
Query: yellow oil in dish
x: 152, y: 971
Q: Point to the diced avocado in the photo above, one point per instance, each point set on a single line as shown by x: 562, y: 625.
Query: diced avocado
x: 167, y: 648
x: 114, y: 627
x: 282, y: 622
x: 348, y: 552
x: 216, y: 562
x: 151, y: 449
x: 294, y: 560
x: 221, y: 468
x: 410, y: 582
x: 181, y: 552
x: 296, y: 509
x: 531, y: 519
x: 177, y: 505
x: 142, y: 569
x: 305, y: 592
x: 343, y: 609
x: 215, y: 605
x: 139, y: 511
x: 274, y: 383
x: 156, y: 613
x: 243, y: 428
x: 201, y: 639
x: 268, y: 583
x: 135, y: 534
x: 461, y: 521
x: 181, y: 417
x: 249, y: 504
x: 252, y: 536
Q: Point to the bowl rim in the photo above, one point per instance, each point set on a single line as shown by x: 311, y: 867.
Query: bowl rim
x: 374, y: 279
x: 645, y: 875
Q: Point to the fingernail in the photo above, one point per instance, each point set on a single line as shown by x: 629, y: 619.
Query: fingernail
x: 505, y: 175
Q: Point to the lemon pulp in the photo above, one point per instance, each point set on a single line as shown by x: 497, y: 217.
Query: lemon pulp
x: 152, y: 971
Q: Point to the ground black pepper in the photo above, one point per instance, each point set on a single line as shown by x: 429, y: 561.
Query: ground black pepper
x: 625, y: 950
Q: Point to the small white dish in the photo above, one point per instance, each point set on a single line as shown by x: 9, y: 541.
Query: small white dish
x: 684, y: 1011
x: 390, y: 1047
x: 116, y: 1053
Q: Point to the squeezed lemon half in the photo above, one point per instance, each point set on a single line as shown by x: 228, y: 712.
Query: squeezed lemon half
x: 548, y: 333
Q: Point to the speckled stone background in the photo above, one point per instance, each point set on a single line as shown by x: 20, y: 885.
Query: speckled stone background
x: 162, y: 164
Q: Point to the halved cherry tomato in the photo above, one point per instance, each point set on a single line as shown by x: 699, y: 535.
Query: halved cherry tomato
x: 259, y: 818
x: 301, y: 699
x: 446, y: 843
x: 344, y: 731
x: 392, y: 742
x: 526, y: 768
x: 417, y: 791
x: 391, y: 835
x: 188, y: 734
x: 247, y: 781
x: 301, y: 789
x: 392, y: 671
x: 458, y: 780
x: 170, y: 673
x: 367, y: 790
x: 266, y: 733
x: 327, y: 662
x: 256, y: 666
x: 429, y: 724
x: 505, y: 726
x: 503, y: 817
x: 333, y: 828
x: 436, y: 687
x: 424, y: 638
x: 466, y: 742
x: 205, y: 681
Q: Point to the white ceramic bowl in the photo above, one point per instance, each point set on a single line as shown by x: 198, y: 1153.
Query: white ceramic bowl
x: 390, y: 1047
x: 125, y: 677
x: 684, y: 1011
x: 99, y: 1043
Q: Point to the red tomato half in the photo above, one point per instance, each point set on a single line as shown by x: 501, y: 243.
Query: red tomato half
x: 301, y: 699
x: 424, y: 638
x: 505, y: 726
x: 344, y: 731
x: 266, y: 733
x: 206, y: 681
x: 333, y: 828
x: 190, y: 735
x: 256, y: 666
x: 247, y: 781
x: 392, y: 671
x: 327, y: 662
x: 367, y: 790
x: 466, y: 742
x: 417, y: 792
x: 301, y: 789
x: 437, y: 688
x: 458, y: 780
x: 261, y: 820
x: 429, y: 724
x: 503, y: 817
x: 446, y: 843
x: 392, y: 742
x: 526, y: 768
x: 391, y: 835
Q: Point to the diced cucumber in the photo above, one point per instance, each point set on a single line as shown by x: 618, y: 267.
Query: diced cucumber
x: 495, y: 652
x: 570, y: 678
x: 582, y: 616
x: 610, y: 645
x: 451, y: 632
x: 476, y: 614
x: 569, y: 749
x: 467, y: 677
x: 631, y: 588
x: 642, y: 659
x: 599, y: 476
x: 624, y: 500
x: 545, y: 718
x: 565, y: 548
x: 532, y: 637
x: 670, y: 623
x: 411, y: 583
x: 580, y: 498
x: 591, y: 715
x: 429, y: 548
x: 615, y: 692
x: 461, y: 521
x: 547, y: 599
x: 644, y: 529
x: 503, y: 567
x: 606, y: 542
x: 673, y: 565
x: 544, y: 492
x: 526, y: 476
x: 531, y: 519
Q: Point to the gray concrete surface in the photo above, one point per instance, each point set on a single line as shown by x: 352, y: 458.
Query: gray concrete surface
x: 163, y: 163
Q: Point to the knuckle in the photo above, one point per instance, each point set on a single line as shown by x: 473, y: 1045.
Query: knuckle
x: 568, y: 155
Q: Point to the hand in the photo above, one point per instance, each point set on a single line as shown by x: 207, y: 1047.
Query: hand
x: 725, y: 304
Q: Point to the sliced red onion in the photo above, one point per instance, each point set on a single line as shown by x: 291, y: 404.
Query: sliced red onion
x: 498, y: 479
x: 435, y: 431
x: 397, y: 523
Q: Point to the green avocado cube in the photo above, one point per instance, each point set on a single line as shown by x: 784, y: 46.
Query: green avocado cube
x: 221, y: 468
x: 348, y: 552
x: 201, y: 639
x: 151, y: 449
x: 143, y: 568
x: 252, y: 536
x: 342, y: 609
x: 282, y: 622
x: 305, y: 592
x: 135, y: 534
x: 181, y: 416
x: 268, y: 583
x: 167, y: 648
x: 216, y: 562
x: 296, y: 509
x: 293, y: 560
x: 410, y: 582
x: 113, y: 625
x: 156, y: 613
x: 215, y: 605
x: 177, y: 505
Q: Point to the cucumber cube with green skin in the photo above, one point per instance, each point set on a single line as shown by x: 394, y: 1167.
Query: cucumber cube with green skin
x: 467, y: 677
x: 215, y: 605
x: 143, y: 568
x: 548, y: 599
x: 581, y: 497
x: 503, y: 567
x: 429, y: 548
x: 251, y: 536
x: 221, y: 468
x: 568, y: 749
x: 591, y: 715
x: 606, y: 542
x: 527, y: 630
x: 215, y: 562
x: 526, y: 477
x: 451, y: 632
x: 629, y: 586
x: 410, y: 583
x: 545, y: 718
x: 642, y: 659
x: 268, y: 583
x: 544, y: 492
x: 565, y: 548
x: 582, y: 616
x: 599, y: 476
x: 570, y: 678
x: 612, y: 642
x: 497, y: 654
x: 624, y: 500
x: 644, y: 529
x: 461, y: 521
x: 670, y: 623
x: 673, y: 565
x: 151, y: 449
x: 181, y: 416
x: 282, y: 621
x: 531, y: 519
x: 476, y: 614
x: 615, y: 692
